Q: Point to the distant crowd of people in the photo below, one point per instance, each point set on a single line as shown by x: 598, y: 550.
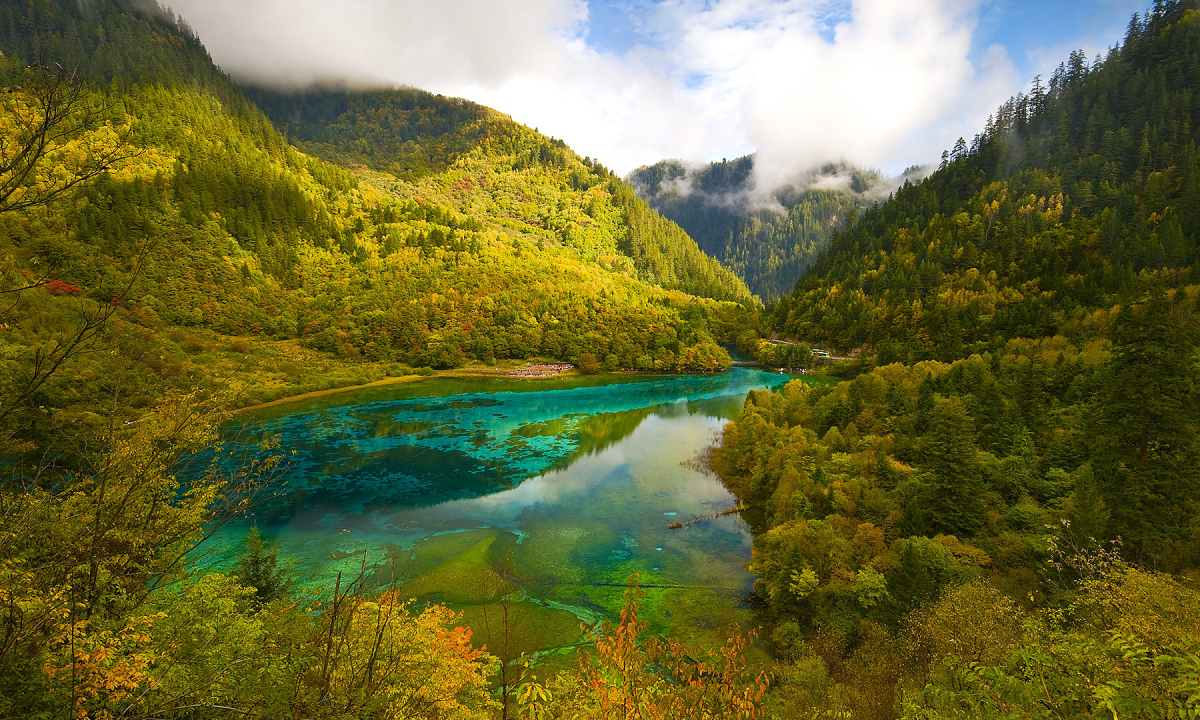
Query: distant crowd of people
x: 529, y: 371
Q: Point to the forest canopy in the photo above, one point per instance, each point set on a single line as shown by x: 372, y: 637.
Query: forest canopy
x: 995, y: 515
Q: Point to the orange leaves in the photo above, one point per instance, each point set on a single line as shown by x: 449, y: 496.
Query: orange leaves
x: 723, y: 680
x: 652, y: 678
x: 457, y: 643
x: 104, y: 667
x: 386, y: 661
x: 58, y: 287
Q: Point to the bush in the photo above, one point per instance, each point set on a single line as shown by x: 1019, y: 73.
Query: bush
x: 788, y: 640
x: 587, y: 363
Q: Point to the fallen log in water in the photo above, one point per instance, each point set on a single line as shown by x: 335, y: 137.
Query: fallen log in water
x: 736, y: 508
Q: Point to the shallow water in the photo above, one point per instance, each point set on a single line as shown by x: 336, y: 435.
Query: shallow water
x: 564, y: 488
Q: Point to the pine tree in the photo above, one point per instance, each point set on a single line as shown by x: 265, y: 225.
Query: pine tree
x: 1149, y: 416
x: 953, y: 501
x: 258, y: 568
x: 1085, y: 509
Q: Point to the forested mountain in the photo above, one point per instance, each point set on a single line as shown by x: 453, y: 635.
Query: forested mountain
x: 1072, y: 197
x: 490, y: 159
x: 491, y: 242
x: 162, y: 243
x: 768, y: 239
x: 999, y: 516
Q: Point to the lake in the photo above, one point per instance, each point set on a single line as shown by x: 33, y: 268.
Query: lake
x: 551, y: 492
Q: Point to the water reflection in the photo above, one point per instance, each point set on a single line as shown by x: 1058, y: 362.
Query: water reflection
x: 478, y: 436
x: 570, y: 487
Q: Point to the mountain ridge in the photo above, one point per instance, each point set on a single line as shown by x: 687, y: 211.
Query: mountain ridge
x: 361, y: 125
x: 768, y: 237
x: 1054, y: 212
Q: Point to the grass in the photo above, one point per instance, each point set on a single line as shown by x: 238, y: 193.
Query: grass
x: 266, y: 373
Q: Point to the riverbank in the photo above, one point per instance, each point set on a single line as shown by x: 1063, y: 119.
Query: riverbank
x: 536, y: 371
x: 276, y: 373
x: 303, y: 397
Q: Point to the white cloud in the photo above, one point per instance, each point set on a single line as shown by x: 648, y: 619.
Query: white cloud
x: 891, y: 85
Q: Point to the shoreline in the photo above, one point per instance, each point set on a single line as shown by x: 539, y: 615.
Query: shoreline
x: 515, y: 374
x: 400, y: 380
x: 405, y: 379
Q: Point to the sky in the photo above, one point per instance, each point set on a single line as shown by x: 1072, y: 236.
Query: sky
x: 879, y: 83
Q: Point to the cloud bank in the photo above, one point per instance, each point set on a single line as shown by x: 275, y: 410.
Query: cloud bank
x: 874, y: 82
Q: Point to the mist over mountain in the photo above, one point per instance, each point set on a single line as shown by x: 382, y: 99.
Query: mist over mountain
x: 1076, y: 197
x: 767, y: 235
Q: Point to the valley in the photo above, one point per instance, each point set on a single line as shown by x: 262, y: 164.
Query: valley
x: 355, y: 401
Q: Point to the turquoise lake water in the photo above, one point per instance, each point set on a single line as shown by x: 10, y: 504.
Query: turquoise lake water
x: 563, y: 487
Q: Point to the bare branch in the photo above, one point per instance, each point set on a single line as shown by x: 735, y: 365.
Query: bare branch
x: 62, y: 112
x: 47, y: 362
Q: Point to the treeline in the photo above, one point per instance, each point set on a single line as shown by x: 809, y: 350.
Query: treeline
x: 792, y: 356
x: 126, y: 44
x: 409, y: 134
x: 769, y: 248
x: 406, y: 132
x: 1071, y: 193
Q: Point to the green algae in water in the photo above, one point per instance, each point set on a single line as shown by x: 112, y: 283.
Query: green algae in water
x: 568, y: 485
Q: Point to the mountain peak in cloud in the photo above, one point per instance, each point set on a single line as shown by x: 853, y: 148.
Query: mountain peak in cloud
x: 803, y: 82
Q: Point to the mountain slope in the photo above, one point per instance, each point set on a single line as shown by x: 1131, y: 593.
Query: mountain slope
x: 412, y: 135
x: 212, y: 264
x: 768, y: 247
x: 504, y: 245
x: 1020, y: 507
x: 1070, y: 202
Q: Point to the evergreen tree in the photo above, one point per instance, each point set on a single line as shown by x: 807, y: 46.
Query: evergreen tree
x: 258, y: 567
x: 954, y: 492
x: 1146, y: 448
x: 1085, y: 510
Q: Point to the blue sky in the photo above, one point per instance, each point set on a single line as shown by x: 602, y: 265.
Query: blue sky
x: 1034, y: 32
x: 882, y: 83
